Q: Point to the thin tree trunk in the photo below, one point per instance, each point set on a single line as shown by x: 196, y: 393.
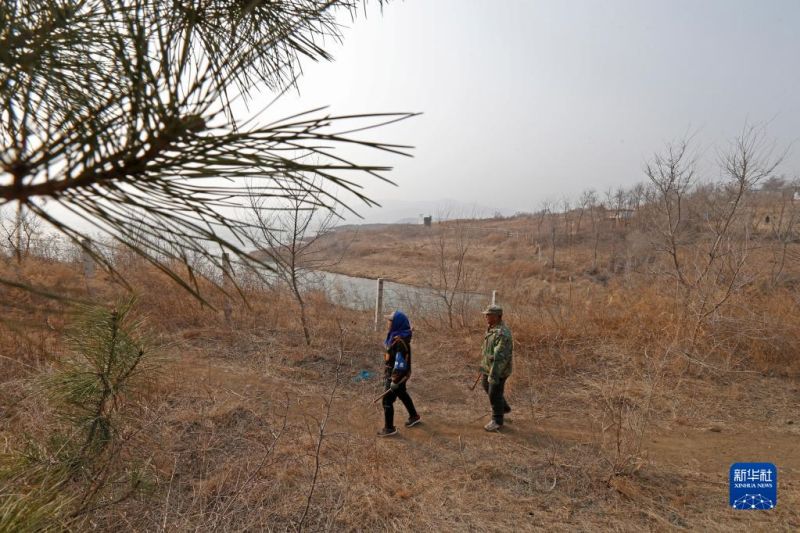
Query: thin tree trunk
x: 302, y: 304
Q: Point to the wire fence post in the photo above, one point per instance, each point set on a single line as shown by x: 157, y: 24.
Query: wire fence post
x: 227, y: 285
x: 378, y: 303
x: 494, y: 297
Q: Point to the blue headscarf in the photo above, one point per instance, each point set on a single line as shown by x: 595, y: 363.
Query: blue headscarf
x: 400, y: 327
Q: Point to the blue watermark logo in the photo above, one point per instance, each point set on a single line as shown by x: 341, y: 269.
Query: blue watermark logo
x: 753, y: 486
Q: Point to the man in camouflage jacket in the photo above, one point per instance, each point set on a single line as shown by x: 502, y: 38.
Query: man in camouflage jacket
x: 496, y: 364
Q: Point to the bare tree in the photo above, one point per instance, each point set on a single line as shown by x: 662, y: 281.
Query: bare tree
x: 553, y: 244
x: 774, y: 183
x: 636, y: 200
x: 709, y: 277
x: 619, y: 205
x: 566, y: 207
x: 636, y: 196
x: 288, y: 234
x: 783, y: 229
x: 19, y: 232
x: 587, y: 201
x: 672, y: 173
x: 450, y: 279
x: 545, y: 208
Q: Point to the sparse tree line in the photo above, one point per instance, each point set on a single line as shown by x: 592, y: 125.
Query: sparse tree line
x: 678, y: 207
x: 25, y: 237
x: 710, y: 237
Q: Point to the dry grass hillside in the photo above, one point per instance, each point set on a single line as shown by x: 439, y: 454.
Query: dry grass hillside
x: 631, y: 393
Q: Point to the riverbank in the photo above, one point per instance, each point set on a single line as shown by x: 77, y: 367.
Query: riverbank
x: 244, y: 426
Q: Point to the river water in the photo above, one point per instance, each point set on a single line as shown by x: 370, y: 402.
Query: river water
x: 360, y: 293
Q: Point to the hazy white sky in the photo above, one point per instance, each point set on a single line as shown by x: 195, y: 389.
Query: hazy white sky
x: 531, y: 100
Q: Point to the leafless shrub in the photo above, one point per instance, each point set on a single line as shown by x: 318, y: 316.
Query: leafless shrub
x: 18, y: 232
x: 288, y: 234
x: 452, y: 278
x: 715, y: 267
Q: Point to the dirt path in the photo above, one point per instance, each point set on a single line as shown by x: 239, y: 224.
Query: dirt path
x: 682, y: 482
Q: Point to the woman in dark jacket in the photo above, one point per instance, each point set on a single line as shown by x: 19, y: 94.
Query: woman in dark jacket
x: 397, y: 371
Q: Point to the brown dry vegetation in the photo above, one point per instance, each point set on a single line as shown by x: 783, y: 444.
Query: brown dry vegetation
x: 618, y: 422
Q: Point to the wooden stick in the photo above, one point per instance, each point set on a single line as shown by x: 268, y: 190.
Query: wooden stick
x: 389, y: 389
x: 477, y: 379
